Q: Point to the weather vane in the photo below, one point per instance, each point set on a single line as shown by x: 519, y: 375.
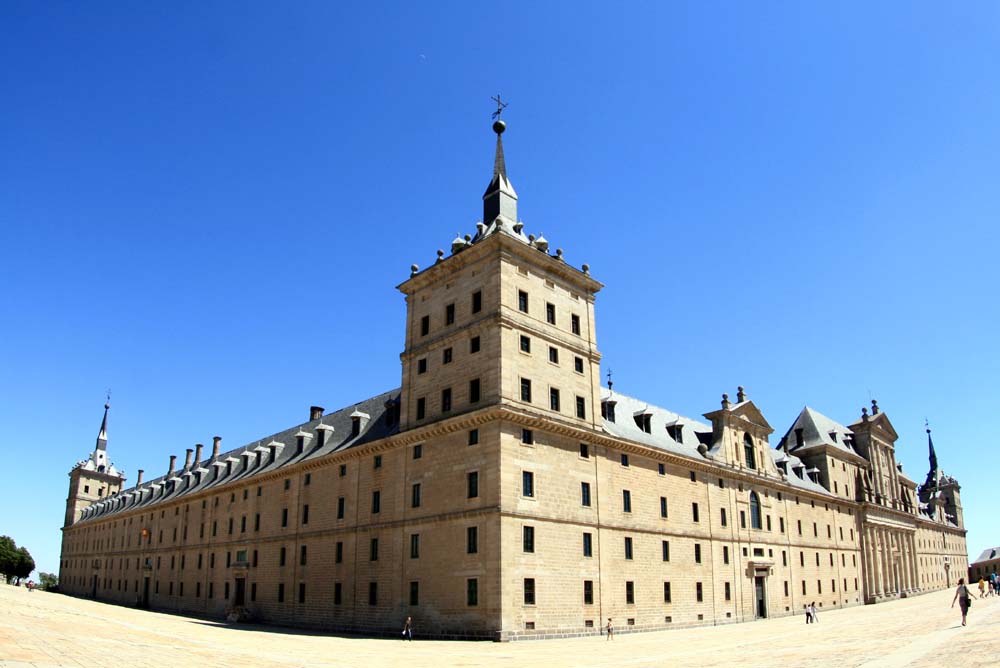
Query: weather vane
x: 610, y: 384
x: 500, y: 106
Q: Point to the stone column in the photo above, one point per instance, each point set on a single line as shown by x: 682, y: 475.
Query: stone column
x: 914, y: 560
x: 876, y: 563
x: 884, y: 563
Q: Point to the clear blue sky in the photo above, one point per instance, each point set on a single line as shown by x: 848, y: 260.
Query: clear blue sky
x: 206, y: 207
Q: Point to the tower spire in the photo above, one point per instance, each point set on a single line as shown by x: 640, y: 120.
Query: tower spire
x: 499, y: 198
x: 102, y: 436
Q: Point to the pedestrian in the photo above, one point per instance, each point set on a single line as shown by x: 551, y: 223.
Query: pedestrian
x: 963, y: 596
x: 809, y: 614
x: 982, y: 587
x: 815, y: 613
x: 408, y: 629
x: 31, y: 586
x: 611, y: 630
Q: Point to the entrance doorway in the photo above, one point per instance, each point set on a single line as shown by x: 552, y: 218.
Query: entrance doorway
x: 760, y: 597
x: 144, y: 601
x: 241, y: 592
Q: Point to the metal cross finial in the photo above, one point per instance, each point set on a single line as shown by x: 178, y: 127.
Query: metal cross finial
x: 610, y: 384
x: 500, y: 106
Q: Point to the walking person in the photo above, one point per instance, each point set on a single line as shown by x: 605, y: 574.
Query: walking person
x: 611, y: 630
x: 408, y: 629
x: 809, y: 614
x: 815, y: 614
x: 963, y: 596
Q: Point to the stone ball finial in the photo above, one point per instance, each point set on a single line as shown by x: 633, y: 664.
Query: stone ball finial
x: 107, y: 406
x: 559, y: 253
x: 586, y: 269
x: 414, y: 269
x: 468, y: 238
x: 499, y: 126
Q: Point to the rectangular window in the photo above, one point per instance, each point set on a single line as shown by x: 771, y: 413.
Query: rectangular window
x: 588, y: 545
x: 474, y: 345
x: 588, y: 592
x: 418, y: 450
x: 472, y: 478
x: 624, y: 460
x: 414, y: 546
x: 694, y: 512
x: 725, y: 554
x: 585, y: 494
x: 525, y: 344
x: 527, y: 436
x: 626, y: 501
x: 666, y: 592
x: 554, y: 399
x: 584, y: 451
x: 581, y: 408
x: 526, y: 390
x: 338, y: 556
x: 699, y: 596
x: 697, y: 553
x: 472, y: 592
x: 338, y: 593
x: 553, y: 355
x: 477, y: 301
x: 628, y: 547
x: 281, y: 592
x: 578, y: 364
x: 376, y: 502
x: 629, y: 592
x: 474, y: 391
x: 529, y: 591
x: 781, y: 524
x: 340, y: 508
x: 663, y: 507
x: 415, y: 495
x: 575, y: 324
x: 414, y: 593
x: 373, y: 550
x: 446, y: 400
x: 472, y: 540
x: 372, y: 593
x: 665, y: 550
x: 723, y: 516
x: 425, y: 325
x: 743, y: 519
x: 284, y: 517
x: 446, y: 356
x: 550, y: 313
x: 449, y: 314
x: 305, y: 514
x: 343, y: 470
x: 281, y: 556
x: 522, y: 301
x: 527, y: 483
x: 729, y: 593
x: 528, y: 539
x: 243, y: 524
x: 473, y: 437
x: 302, y: 555
x: 421, y: 408
x: 422, y: 365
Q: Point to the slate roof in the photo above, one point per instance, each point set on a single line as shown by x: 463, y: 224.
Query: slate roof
x: 262, y: 456
x: 988, y: 553
x: 818, y: 429
x: 692, y: 434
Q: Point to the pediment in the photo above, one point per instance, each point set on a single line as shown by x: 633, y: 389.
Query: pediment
x: 748, y: 411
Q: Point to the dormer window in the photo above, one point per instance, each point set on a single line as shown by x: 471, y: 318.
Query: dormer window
x: 300, y: 444
x: 644, y: 420
x: 358, y: 422
x: 608, y: 410
x: 676, y: 432
x: 748, y: 452
x: 320, y: 439
x: 833, y: 436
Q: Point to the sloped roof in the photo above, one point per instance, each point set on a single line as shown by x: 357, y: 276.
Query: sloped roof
x: 987, y: 554
x: 252, y: 459
x: 818, y: 429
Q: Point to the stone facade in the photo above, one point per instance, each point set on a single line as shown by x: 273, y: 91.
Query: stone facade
x: 502, y: 492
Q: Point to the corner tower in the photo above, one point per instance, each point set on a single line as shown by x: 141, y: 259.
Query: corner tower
x: 93, y: 478
x: 500, y: 320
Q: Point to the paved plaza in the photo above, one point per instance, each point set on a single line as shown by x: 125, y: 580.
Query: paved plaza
x: 45, y: 630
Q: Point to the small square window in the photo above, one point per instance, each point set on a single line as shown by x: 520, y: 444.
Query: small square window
x: 474, y: 345
x: 527, y: 437
x: 422, y: 365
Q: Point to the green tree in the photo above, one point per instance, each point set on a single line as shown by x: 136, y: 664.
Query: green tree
x: 8, y: 557
x: 48, y: 581
x: 25, y: 564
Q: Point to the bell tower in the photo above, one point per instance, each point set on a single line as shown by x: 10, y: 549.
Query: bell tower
x: 94, y: 478
x: 500, y: 320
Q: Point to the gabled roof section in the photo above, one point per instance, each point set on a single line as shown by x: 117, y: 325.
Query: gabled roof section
x: 818, y: 430
x: 878, y: 421
x: 748, y: 411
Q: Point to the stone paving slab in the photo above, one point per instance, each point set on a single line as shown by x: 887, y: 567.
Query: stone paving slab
x: 49, y: 630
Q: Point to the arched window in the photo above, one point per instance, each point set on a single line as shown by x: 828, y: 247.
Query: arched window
x: 748, y: 456
x: 755, y: 522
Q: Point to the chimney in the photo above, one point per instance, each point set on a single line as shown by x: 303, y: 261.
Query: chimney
x: 138, y: 481
x: 173, y: 460
x: 187, y: 459
x: 741, y: 396
x: 315, y: 413
x: 197, y: 453
x: 215, y: 446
